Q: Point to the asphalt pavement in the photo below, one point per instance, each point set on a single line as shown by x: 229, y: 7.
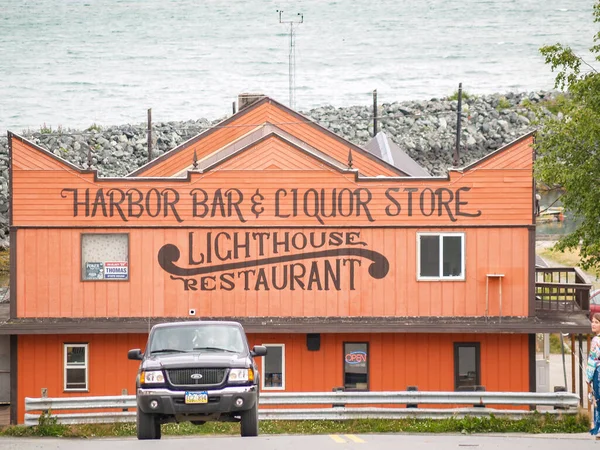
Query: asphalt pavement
x: 318, y: 442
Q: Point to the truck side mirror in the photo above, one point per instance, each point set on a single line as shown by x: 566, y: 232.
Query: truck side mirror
x: 259, y: 350
x: 135, y: 354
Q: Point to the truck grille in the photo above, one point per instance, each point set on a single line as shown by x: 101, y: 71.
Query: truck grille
x: 195, y: 377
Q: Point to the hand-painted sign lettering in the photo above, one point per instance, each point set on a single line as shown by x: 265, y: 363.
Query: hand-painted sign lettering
x: 278, y: 260
x: 321, y: 205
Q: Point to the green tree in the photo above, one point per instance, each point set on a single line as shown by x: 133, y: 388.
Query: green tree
x: 567, y: 145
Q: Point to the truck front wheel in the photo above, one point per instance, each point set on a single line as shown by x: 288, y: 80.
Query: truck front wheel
x: 249, y: 425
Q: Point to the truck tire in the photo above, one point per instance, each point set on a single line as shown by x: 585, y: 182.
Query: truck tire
x: 147, y: 426
x: 249, y: 425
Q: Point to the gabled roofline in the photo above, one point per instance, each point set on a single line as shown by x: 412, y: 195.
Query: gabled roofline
x: 189, y: 174
x: 187, y: 178
x: 79, y: 170
x: 269, y: 130
x: 47, y: 152
x: 198, y: 137
x: 269, y: 135
x: 246, y: 110
x: 337, y: 137
x: 494, y: 153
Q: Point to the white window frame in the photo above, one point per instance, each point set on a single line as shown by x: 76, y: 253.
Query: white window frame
x: 441, y: 277
x: 283, y: 375
x: 66, y: 367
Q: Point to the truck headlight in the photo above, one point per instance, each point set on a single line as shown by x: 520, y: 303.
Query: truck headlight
x: 152, y: 377
x: 241, y: 375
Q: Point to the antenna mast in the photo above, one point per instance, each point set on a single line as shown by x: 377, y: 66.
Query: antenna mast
x: 292, y: 56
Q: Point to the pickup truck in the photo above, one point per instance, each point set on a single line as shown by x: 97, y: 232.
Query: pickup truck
x: 197, y: 371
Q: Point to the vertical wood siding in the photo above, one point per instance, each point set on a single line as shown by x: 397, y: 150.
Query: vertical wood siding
x: 49, y: 282
x: 489, y: 196
x: 395, y: 362
x: 272, y: 154
x: 49, y: 259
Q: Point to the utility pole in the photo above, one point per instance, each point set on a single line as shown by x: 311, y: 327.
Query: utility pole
x: 458, y: 123
x: 292, y: 57
x: 374, y: 112
x: 149, y: 134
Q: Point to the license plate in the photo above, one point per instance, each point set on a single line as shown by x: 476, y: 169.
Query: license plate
x: 196, y: 397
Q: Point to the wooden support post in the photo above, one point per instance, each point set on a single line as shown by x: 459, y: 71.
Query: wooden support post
x: 573, y: 363
x: 580, y: 338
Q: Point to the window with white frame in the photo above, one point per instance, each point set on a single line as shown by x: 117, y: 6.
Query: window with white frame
x: 76, y: 367
x: 441, y: 256
x: 273, y: 367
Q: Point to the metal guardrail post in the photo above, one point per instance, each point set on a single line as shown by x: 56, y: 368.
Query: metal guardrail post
x: 338, y: 405
x: 560, y: 389
x: 412, y: 389
x: 479, y: 388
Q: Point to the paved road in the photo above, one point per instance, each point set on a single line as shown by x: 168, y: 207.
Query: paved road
x: 319, y: 442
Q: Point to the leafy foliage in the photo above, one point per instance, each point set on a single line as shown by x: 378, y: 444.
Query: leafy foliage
x: 503, y: 103
x: 465, y: 96
x: 567, y: 145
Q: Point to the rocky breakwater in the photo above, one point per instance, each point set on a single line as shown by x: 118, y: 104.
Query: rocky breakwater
x: 426, y: 130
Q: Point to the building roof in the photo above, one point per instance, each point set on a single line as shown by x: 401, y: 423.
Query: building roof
x: 267, y: 110
x: 253, y: 137
x: 576, y: 322
x: 387, y: 150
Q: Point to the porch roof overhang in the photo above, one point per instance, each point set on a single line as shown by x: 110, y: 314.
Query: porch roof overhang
x: 573, y: 323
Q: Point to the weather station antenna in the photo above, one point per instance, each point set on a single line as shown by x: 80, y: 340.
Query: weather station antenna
x: 292, y: 56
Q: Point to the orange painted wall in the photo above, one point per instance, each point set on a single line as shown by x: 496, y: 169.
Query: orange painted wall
x: 395, y: 362
x: 49, y: 271
x: 498, y: 192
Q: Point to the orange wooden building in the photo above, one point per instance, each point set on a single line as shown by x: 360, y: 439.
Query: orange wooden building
x: 353, y: 272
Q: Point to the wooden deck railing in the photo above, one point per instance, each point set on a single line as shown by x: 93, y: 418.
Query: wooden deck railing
x: 561, y: 289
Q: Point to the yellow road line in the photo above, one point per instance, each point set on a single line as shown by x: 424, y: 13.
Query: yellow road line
x: 337, y: 439
x: 355, y: 438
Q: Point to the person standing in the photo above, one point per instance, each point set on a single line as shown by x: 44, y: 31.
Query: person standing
x: 593, y: 373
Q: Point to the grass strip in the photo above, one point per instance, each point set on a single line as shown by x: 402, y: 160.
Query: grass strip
x: 536, y: 423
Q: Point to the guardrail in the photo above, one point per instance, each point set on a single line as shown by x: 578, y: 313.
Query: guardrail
x: 477, y: 401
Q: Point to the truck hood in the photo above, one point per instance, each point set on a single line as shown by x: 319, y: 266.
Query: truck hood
x: 195, y: 360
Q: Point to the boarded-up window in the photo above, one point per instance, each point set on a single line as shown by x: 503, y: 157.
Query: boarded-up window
x: 105, y: 256
x: 273, y: 367
x: 441, y: 256
x: 356, y: 366
x: 76, y: 367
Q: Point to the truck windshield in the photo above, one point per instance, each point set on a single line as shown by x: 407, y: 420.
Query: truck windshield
x: 213, y: 338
